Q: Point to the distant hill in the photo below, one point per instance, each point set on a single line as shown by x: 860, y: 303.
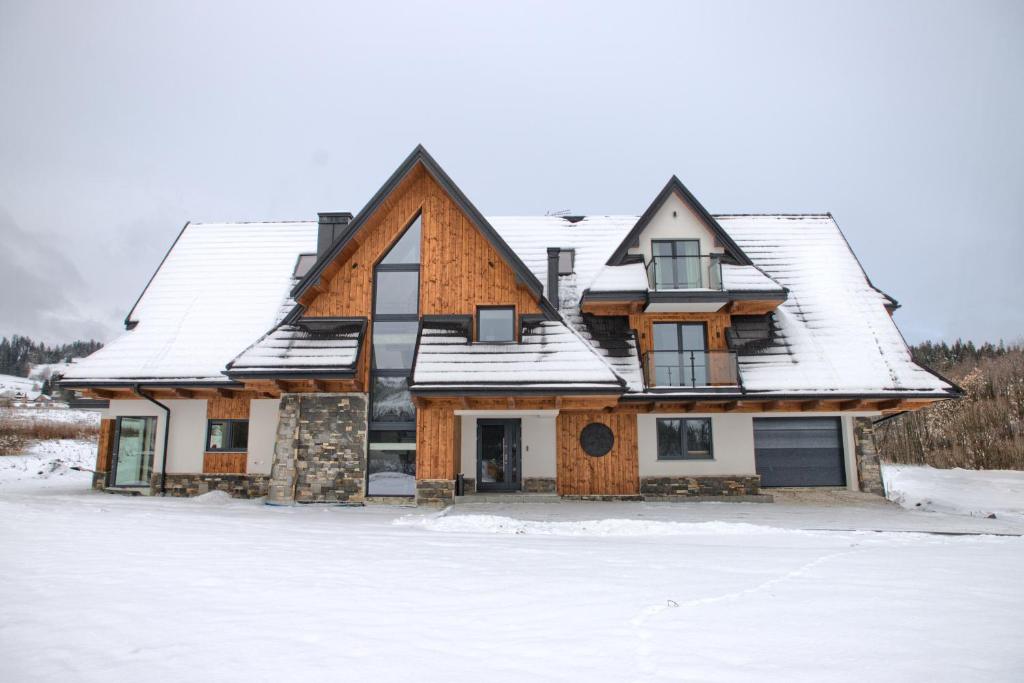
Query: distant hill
x: 19, y: 354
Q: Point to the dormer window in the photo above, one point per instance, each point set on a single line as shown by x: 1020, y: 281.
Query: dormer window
x: 303, y: 264
x: 496, y: 324
x: 566, y: 260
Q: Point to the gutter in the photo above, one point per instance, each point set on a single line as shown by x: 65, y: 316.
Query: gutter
x: 167, y: 432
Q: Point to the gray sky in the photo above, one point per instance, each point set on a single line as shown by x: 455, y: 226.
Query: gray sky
x: 121, y: 121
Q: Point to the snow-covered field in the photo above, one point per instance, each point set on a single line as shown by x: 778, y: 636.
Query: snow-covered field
x: 956, y: 491
x: 98, y: 587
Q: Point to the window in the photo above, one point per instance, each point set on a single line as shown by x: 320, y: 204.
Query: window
x: 684, y: 439
x: 227, y: 435
x: 397, y: 292
x: 391, y: 466
x: 496, y: 324
x: 680, y: 355
x: 134, y: 445
x: 303, y: 264
x: 566, y: 257
x: 677, y: 264
x: 394, y: 344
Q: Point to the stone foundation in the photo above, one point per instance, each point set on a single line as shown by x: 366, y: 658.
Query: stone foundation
x: 237, y: 485
x: 538, y: 485
x: 320, y: 451
x: 746, y: 485
x: 436, y: 492
x: 869, y: 471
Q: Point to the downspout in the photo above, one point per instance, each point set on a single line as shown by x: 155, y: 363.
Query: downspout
x: 167, y: 431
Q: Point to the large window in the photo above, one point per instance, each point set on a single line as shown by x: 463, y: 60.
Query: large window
x: 677, y: 264
x: 684, y: 439
x: 496, y: 324
x: 227, y: 435
x: 135, y: 442
x: 680, y: 355
x: 391, y: 463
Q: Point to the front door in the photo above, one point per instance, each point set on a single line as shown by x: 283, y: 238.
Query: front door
x: 497, y: 455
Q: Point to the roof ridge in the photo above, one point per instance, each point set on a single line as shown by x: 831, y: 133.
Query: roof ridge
x: 276, y: 222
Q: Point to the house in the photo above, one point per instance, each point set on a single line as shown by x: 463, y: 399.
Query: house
x: 419, y: 347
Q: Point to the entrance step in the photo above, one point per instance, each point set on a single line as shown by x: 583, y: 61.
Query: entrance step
x: 506, y: 498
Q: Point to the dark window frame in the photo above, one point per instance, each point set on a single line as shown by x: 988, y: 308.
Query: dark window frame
x: 516, y: 332
x: 111, y: 479
x: 683, y: 447
x: 230, y: 422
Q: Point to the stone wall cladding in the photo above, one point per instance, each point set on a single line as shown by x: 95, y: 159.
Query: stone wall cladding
x: 99, y: 480
x: 743, y: 485
x: 435, y: 492
x: 320, y: 452
x: 237, y: 485
x: 538, y: 485
x: 869, y: 471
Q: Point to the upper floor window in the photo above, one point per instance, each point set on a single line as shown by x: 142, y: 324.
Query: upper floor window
x: 680, y: 356
x: 677, y: 264
x: 496, y: 324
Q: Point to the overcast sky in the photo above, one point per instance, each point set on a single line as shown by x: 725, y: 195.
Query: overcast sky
x: 119, y: 122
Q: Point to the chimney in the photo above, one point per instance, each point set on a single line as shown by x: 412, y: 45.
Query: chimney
x: 553, y: 253
x: 331, y: 227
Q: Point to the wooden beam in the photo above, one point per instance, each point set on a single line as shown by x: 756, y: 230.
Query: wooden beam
x: 889, y: 405
x: 320, y: 385
x: 856, y: 404
x: 103, y: 393
x: 281, y: 385
x: 184, y: 393
x: 810, y: 405
x: 226, y: 393
x: 730, y: 406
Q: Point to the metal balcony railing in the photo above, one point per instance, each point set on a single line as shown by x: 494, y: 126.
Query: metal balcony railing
x: 685, y: 272
x: 690, y: 368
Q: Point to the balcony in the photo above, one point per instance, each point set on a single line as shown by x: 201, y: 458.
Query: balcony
x: 690, y: 368
x: 685, y: 272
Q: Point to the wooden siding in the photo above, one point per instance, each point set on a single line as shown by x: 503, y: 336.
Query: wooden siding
x: 438, y: 439
x: 616, y: 473
x: 224, y: 463
x: 222, y: 408
x: 105, y: 446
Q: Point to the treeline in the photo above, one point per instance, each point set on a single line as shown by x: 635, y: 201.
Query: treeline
x: 18, y: 354
x: 983, y: 430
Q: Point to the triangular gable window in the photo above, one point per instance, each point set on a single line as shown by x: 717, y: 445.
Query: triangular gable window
x: 407, y: 250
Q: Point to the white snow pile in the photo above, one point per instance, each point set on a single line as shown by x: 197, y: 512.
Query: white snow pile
x: 212, y: 498
x: 49, y: 459
x: 495, y: 524
x: 977, y: 493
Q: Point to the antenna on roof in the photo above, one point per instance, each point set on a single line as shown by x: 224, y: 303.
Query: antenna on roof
x: 559, y: 212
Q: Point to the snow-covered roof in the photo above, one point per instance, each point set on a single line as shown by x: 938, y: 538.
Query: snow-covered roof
x: 548, y: 356
x: 297, y: 349
x: 832, y: 333
x: 748, y: 279
x: 220, y: 288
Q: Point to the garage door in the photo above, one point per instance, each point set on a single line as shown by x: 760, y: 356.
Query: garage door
x: 804, y: 451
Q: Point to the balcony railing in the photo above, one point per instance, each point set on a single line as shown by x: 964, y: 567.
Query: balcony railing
x: 690, y: 368
x: 685, y: 272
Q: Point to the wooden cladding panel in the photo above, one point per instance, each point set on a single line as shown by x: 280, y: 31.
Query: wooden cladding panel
x: 616, y: 473
x: 460, y: 270
x: 105, y: 446
x: 438, y: 442
x: 221, y: 408
x: 224, y: 463
x: 717, y: 323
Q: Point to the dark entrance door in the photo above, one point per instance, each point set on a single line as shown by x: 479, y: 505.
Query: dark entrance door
x: 497, y: 455
x: 799, y: 451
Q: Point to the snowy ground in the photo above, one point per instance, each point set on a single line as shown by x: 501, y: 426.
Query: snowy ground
x: 985, y: 493
x: 99, y: 587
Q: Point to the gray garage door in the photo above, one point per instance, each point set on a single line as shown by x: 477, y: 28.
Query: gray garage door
x: 798, y: 451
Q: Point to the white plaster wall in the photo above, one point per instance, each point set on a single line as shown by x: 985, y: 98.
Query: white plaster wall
x: 684, y: 225
x: 732, y: 443
x: 263, y: 415
x: 538, y: 435
x: 732, y: 437
x: 186, y: 441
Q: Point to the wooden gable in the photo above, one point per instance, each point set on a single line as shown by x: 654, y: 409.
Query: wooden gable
x: 459, y: 268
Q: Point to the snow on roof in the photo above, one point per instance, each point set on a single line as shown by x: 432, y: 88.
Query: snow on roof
x: 747, y: 278
x: 292, y: 348
x: 631, y: 277
x: 549, y: 355
x: 220, y: 287
x: 833, y: 333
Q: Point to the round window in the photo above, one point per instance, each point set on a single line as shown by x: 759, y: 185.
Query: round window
x: 596, y: 439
